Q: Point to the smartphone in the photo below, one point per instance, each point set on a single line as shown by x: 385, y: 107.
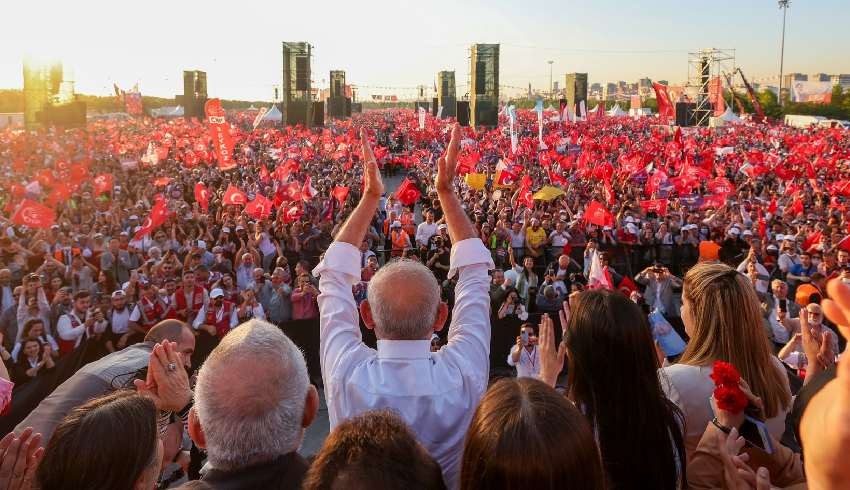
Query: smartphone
x: 755, y: 432
x: 783, y: 305
x: 524, y: 337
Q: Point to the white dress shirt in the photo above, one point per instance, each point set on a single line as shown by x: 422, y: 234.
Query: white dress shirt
x: 424, y: 232
x: 528, y: 365
x: 434, y: 392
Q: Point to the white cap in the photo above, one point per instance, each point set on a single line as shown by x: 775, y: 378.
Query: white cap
x: 202, y: 244
x: 442, y: 226
x: 225, y: 229
x: 747, y: 233
x: 780, y: 238
x: 396, y: 224
x: 217, y: 293
x: 631, y: 228
x: 629, y: 219
x: 734, y: 232
x: 133, y: 216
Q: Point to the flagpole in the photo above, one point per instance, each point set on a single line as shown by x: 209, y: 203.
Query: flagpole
x: 783, y: 4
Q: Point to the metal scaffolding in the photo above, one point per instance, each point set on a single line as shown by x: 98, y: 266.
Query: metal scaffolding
x: 704, y: 66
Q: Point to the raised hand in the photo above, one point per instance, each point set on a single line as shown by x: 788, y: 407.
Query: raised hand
x: 824, y: 430
x: 167, y: 383
x: 19, y: 458
x: 372, y: 184
x: 446, y: 164
x: 551, y: 358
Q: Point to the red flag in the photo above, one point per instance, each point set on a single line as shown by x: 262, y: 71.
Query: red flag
x: 665, y: 108
x: 259, y: 208
x: 844, y: 244
x: 292, y: 213
x: 220, y: 132
x: 811, y: 240
x: 308, y: 192
x: 762, y: 224
x: 34, y: 215
x: 157, y: 216
x: 202, y: 196
x: 713, y: 201
x: 290, y: 191
x: 283, y: 171
x: 506, y: 177
x: 162, y: 181
x: 720, y: 185
x: 608, y: 192
x: 600, y: 111
x: 340, y: 193
x: 61, y: 192
x: 466, y: 163
x: 772, y: 207
x: 233, y: 196
x: 598, y: 214
x: 103, y: 184
x: 265, y: 176
x: 526, y: 197
x: 797, y: 207
x: 407, y: 193
x: 657, y: 206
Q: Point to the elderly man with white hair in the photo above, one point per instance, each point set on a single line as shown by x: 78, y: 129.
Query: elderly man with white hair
x: 434, y: 392
x: 253, y: 402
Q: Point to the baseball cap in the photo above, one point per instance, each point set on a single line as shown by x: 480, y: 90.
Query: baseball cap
x: 396, y: 224
x: 133, y: 216
x: 217, y: 293
x: 747, y: 233
x: 442, y: 226
x: 225, y: 229
x: 118, y: 294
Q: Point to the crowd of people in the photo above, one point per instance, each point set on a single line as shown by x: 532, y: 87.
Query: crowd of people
x: 154, y: 304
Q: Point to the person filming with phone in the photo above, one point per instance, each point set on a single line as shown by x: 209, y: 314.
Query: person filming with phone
x: 524, y: 355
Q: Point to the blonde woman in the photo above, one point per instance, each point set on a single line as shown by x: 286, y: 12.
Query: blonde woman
x: 721, y: 314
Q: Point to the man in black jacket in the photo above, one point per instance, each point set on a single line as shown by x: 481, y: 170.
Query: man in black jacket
x: 253, y: 401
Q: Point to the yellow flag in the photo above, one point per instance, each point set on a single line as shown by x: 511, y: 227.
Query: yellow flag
x: 547, y: 193
x: 476, y: 181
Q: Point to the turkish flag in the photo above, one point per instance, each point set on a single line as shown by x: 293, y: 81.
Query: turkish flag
x: 340, y: 193
x: 308, y: 192
x: 665, y: 108
x: 598, y: 214
x: 812, y: 239
x: 771, y: 208
x: 157, y: 216
x: 526, y: 197
x: 103, y: 184
x: 713, y: 201
x: 506, y: 177
x: 265, y: 177
x: 466, y: 163
x: 283, y: 171
x: 233, y: 196
x: 720, y: 185
x: 202, y: 196
x: 796, y: 207
x: 259, y: 208
x: 407, y: 193
x: 844, y: 244
x: 61, y: 192
x: 291, y: 191
x: 292, y: 214
x: 33, y: 215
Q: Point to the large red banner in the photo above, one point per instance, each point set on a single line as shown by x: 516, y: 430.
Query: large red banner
x: 665, y: 108
x: 220, y: 132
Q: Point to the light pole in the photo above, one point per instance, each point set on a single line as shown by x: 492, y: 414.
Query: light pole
x: 551, y: 91
x: 783, y: 4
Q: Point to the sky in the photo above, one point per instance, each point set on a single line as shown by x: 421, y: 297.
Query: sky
x: 391, y: 47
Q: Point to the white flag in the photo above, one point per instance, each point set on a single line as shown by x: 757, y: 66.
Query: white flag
x: 259, y: 118
x: 583, y: 110
x: 440, y: 112
x: 596, y: 278
x: 422, y: 112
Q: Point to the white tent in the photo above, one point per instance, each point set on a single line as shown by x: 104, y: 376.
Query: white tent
x: 551, y: 108
x: 273, y: 115
x: 729, y: 116
x: 252, y: 108
x: 168, y: 112
x: 616, y: 111
x: 593, y: 111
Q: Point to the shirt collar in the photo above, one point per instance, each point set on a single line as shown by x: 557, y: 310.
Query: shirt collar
x: 404, y: 349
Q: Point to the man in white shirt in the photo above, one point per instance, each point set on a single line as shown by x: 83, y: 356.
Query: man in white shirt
x: 73, y: 325
x: 524, y: 355
x: 222, y: 314
x: 435, y: 393
x: 426, y: 230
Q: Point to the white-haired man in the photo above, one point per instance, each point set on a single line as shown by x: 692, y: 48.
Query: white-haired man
x: 253, y: 400
x: 436, y: 393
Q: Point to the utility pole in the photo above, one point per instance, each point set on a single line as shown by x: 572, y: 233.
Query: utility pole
x: 551, y: 91
x: 783, y: 4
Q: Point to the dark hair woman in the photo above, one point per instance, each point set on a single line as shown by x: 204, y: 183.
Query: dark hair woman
x: 526, y: 435
x: 109, y: 443
x: 613, y: 379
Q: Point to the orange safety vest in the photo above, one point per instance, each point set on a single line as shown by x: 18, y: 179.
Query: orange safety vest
x: 399, y: 239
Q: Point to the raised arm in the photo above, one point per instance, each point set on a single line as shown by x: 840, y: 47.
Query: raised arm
x: 460, y: 227
x: 355, y: 227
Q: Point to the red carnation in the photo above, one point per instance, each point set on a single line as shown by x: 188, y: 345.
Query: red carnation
x: 725, y: 374
x: 731, y: 399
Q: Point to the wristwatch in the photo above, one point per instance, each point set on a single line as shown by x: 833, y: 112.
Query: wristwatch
x: 720, y: 426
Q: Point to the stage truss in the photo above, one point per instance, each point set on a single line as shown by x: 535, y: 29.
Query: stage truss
x: 703, y: 66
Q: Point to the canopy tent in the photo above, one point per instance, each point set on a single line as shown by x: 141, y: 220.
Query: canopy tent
x: 551, y: 108
x: 729, y: 116
x: 273, y: 115
x: 640, y: 112
x: 167, y: 112
x: 593, y: 111
x: 616, y: 111
x: 252, y: 108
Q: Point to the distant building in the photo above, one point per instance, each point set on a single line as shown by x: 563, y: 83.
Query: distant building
x: 842, y: 79
x: 609, y: 90
x: 554, y: 87
x: 596, y: 90
x: 663, y: 82
x: 819, y: 77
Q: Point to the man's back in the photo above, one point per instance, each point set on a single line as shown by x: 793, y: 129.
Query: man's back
x: 435, y: 393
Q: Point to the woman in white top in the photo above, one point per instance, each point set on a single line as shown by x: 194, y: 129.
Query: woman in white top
x: 721, y: 314
x: 34, y: 329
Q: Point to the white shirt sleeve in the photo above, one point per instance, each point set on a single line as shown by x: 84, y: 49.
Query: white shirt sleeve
x: 234, y: 318
x: 510, y: 356
x: 340, y: 342
x: 66, y: 331
x: 200, y: 317
x: 136, y: 314
x: 259, y: 312
x: 469, y: 332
